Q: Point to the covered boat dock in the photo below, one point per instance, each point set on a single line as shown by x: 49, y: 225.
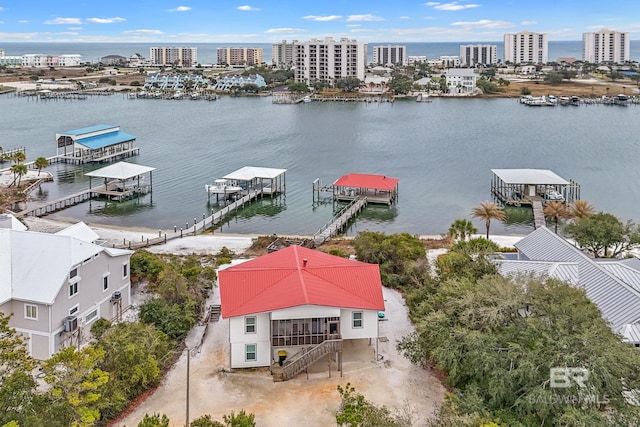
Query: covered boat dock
x: 99, y: 143
x: 122, y: 180
x: 376, y: 188
x: 268, y: 181
x: 518, y: 187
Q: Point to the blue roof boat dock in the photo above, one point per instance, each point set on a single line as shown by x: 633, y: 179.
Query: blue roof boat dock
x: 95, y: 144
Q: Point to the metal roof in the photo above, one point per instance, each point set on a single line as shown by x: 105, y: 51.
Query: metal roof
x: 631, y: 333
x: 105, y: 139
x: 565, y: 271
x: 623, y: 271
x: 120, y: 170
x: 88, y: 129
x: 362, y: 180
x: 80, y: 231
x: 297, y: 276
x: 249, y: 173
x: 529, y: 176
x: 618, y: 302
x: 56, y: 255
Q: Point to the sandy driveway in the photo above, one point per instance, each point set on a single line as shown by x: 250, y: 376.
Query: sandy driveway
x: 311, y: 402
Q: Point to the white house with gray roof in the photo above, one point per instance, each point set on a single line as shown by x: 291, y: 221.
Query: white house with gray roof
x: 57, y: 285
x: 613, y: 285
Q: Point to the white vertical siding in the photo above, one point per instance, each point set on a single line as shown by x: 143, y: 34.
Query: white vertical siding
x: 238, y: 339
x: 369, y: 327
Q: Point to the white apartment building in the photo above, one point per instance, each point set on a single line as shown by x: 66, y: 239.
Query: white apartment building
x: 606, y: 46
x: 70, y: 60
x: 41, y: 60
x: 390, y: 55
x: 526, y: 47
x: 240, y: 55
x: 179, y: 56
x: 282, y: 54
x: 329, y: 59
x: 474, y: 54
x: 415, y: 59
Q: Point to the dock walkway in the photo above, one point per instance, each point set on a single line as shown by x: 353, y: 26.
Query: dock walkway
x: 339, y: 220
x: 538, y: 214
x: 198, y: 227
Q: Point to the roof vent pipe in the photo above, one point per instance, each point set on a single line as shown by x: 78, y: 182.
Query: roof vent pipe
x: 304, y: 262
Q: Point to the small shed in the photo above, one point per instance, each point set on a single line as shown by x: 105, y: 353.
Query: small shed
x: 97, y: 143
x: 122, y: 180
x: 376, y: 188
x: 523, y: 186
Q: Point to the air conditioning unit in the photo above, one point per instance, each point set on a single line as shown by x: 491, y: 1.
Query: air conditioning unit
x: 70, y: 323
x: 116, y: 296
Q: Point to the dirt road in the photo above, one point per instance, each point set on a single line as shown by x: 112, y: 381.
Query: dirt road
x: 311, y: 402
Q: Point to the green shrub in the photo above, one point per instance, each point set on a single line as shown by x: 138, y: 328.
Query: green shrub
x: 99, y: 327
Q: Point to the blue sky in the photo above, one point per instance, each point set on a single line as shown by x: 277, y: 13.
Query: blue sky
x: 265, y: 21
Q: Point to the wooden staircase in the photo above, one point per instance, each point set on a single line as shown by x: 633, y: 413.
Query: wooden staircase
x: 305, y: 358
x: 214, y: 313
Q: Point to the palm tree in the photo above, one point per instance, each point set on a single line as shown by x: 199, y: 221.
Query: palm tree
x: 556, y: 210
x: 582, y: 209
x: 461, y: 229
x: 19, y: 170
x: 18, y: 157
x: 488, y: 211
x: 40, y: 163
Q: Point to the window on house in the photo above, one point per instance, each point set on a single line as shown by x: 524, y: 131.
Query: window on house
x: 31, y: 311
x: 73, y: 310
x: 105, y: 283
x: 250, y: 325
x: 91, y: 316
x: 125, y: 270
x: 73, y: 289
x: 357, y: 319
x: 73, y: 273
x: 250, y: 352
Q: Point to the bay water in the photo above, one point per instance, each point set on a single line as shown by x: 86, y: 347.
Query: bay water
x: 441, y: 151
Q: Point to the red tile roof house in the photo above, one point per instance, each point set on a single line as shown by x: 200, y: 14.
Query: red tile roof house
x: 300, y: 301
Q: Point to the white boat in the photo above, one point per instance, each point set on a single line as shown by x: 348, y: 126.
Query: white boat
x: 306, y: 99
x: 222, y: 186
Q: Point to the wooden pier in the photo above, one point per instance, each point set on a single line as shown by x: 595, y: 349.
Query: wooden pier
x: 109, y: 191
x: 339, y: 220
x: 538, y: 214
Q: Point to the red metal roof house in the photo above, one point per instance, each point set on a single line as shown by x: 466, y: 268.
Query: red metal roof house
x: 297, y: 298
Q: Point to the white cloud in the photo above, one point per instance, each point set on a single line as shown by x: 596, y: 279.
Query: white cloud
x: 322, y: 18
x: 247, y: 8
x: 23, y: 21
x: 74, y: 28
x: 353, y: 25
x: 361, y: 30
x: 180, y: 9
x: 405, y: 17
x: 17, y: 35
x: 367, y: 17
x: 450, y: 6
x: 1, y: 8
x: 484, y: 23
x: 105, y: 20
x: 65, y: 21
x: 67, y: 33
x: 528, y: 23
x: 284, y: 30
x: 144, y: 32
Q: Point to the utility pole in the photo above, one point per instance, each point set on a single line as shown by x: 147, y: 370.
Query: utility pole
x: 188, y: 359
